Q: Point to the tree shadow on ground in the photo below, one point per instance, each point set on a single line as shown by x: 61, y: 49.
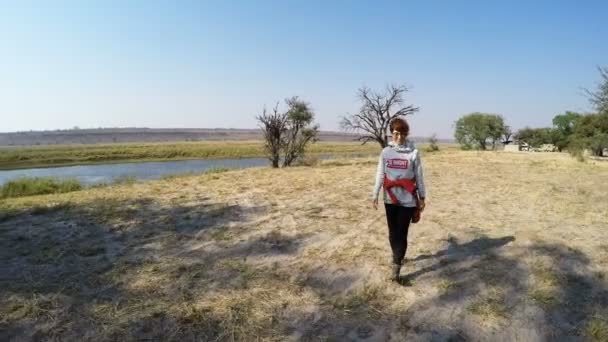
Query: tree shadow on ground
x: 80, y: 272
x: 68, y: 270
x: 537, y: 292
x: 484, y: 282
x: 489, y: 289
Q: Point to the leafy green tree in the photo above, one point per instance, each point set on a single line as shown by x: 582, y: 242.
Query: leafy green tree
x: 478, y: 130
x: 534, y: 137
x: 563, y: 126
x: 496, y: 128
x: 591, y: 132
x: 301, y: 129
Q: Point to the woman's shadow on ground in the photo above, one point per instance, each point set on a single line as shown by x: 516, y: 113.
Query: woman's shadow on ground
x: 455, y: 253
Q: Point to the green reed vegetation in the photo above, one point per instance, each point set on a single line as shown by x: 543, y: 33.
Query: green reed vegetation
x: 42, y: 156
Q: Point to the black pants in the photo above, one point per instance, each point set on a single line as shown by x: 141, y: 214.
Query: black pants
x: 398, y: 219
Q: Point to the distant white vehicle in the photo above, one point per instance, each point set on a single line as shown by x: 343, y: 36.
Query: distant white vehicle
x: 517, y: 147
x: 545, y: 148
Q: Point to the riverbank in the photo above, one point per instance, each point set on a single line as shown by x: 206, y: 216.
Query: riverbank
x: 503, y: 252
x: 31, y: 186
x: 65, y: 155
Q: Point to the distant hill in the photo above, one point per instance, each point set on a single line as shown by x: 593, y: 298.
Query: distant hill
x: 124, y: 135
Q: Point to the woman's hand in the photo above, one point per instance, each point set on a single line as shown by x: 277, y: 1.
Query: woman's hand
x: 421, y: 204
x: 375, y: 204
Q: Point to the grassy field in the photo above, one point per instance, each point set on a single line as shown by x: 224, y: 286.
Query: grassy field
x: 41, y: 156
x: 512, y: 246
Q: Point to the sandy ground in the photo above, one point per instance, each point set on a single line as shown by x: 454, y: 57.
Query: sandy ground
x: 512, y: 247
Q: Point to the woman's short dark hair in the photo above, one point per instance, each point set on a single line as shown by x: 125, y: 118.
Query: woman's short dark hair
x: 400, y: 125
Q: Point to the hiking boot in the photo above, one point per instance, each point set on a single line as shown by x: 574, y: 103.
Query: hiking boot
x: 395, y: 273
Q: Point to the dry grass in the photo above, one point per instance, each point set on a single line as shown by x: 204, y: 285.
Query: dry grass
x: 512, y: 246
x: 597, y: 328
x: 491, y: 307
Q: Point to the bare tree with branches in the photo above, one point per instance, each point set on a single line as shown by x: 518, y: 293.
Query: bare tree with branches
x: 377, y: 110
x: 599, y: 98
x: 506, y: 135
x: 273, y: 127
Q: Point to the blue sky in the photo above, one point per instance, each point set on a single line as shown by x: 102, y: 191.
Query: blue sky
x: 217, y: 63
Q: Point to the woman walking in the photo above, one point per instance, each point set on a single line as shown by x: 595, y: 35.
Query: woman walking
x: 400, y: 174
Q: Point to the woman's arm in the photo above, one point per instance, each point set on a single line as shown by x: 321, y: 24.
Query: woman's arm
x: 379, y: 178
x: 419, y: 174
